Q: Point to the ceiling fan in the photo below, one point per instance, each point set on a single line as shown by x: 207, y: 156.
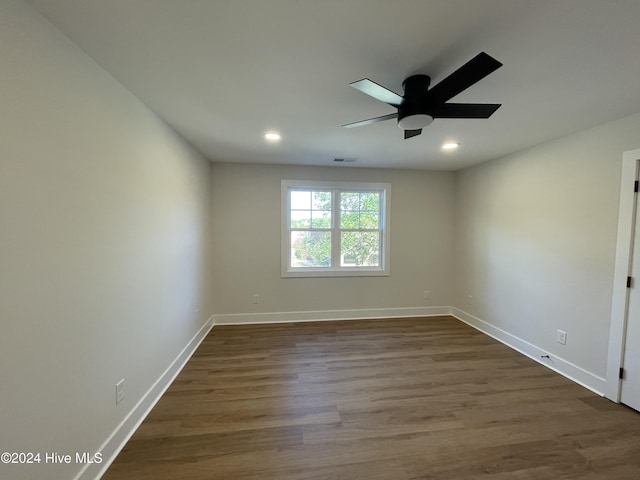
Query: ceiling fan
x: 420, y: 105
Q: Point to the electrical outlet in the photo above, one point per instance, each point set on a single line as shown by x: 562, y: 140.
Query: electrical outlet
x: 120, y: 391
x: 425, y: 295
x: 561, y: 337
x: 470, y: 300
x: 256, y: 298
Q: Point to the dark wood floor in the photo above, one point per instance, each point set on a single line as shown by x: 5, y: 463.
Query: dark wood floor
x: 399, y: 399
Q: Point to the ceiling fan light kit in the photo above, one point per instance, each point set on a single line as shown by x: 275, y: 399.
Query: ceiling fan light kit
x: 414, y: 121
x: 420, y: 105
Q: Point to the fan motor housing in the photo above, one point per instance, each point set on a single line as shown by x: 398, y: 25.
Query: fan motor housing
x: 416, y: 86
x: 415, y: 90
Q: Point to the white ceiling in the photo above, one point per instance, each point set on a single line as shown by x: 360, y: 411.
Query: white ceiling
x: 222, y: 72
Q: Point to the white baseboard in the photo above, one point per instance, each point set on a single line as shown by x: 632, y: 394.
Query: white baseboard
x: 324, y: 315
x: 123, y: 432
x: 565, y: 368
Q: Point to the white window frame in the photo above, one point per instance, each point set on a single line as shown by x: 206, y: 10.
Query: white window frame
x: 335, y: 270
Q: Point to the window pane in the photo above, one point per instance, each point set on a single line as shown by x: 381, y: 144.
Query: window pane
x: 360, y: 210
x: 310, y: 209
x: 349, y: 201
x: 301, y: 219
x: 369, y: 220
x: 321, y: 201
x: 311, y: 249
x: 370, y: 201
x: 300, y: 200
x: 359, y: 249
x: 349, y: 219
x: 321, y: 219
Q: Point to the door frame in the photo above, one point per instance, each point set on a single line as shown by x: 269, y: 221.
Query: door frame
x: 622, y: 268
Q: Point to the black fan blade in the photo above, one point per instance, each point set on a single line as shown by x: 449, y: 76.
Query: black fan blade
x: 377, y: 91
x: 412, y: 133
x: 371, y: 120
x: 464, y: 110
x: 471, y: 72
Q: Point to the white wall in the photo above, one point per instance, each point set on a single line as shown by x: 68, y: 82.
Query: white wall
x: 536, y: 237
x: 246, y: 242
x: 104, y: 227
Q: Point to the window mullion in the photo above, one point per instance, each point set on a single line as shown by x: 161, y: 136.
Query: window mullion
x: 335, y: 230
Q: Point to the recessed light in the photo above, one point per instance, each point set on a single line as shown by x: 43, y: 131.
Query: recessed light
x: 272, y: 137
x: 450, y: 146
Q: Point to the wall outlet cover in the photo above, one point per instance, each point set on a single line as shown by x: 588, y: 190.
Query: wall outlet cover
x: 120, y: 391
x: 561, y: 337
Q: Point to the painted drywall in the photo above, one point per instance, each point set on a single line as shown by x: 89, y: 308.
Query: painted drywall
x: 104, y: 221
x: 246, y: 242
x: 536, y: 238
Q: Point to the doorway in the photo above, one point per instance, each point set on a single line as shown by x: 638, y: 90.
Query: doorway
x: 623, y: 363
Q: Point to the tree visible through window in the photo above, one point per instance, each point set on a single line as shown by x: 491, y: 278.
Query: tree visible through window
x: 333, y: 228
x: 360, y: 232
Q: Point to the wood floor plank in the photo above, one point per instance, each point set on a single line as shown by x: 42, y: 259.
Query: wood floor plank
x: 394, y: 399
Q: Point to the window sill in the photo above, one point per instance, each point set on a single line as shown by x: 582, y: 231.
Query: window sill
x: 335, y: 273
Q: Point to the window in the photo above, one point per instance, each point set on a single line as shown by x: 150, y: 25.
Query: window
x: 335, y: 229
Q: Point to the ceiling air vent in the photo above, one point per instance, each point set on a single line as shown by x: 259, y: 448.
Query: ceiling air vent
x: 344, y: 160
